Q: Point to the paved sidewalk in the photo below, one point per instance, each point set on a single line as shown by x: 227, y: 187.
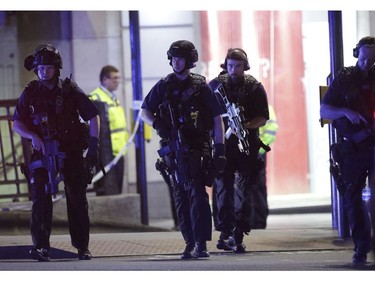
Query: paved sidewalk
x: 303, y: 232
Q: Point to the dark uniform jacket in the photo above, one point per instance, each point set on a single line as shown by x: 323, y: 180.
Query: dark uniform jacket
x: 351, y: 91
x: 61, y: 108
x: 192, y: 101
x: 250, y: 96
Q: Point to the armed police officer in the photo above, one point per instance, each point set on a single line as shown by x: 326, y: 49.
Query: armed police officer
x: 350, y: 103
x: 247, y: 109
x: 183, y: 110
x: 48, y: 113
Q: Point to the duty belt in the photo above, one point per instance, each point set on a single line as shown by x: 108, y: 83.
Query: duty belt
x: 359, y: 136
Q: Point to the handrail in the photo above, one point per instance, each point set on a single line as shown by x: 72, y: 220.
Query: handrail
x: 12, y: 155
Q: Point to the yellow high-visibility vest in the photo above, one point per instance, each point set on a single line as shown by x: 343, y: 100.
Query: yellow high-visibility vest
x: 116, y: 116
x: 267, y: 133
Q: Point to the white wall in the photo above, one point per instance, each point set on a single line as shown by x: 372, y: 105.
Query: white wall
x: 317, y: 68
x: 157, y: 32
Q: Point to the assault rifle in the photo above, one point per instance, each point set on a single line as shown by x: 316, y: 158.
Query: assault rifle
x: 235, y: 121
x: 51, y: 160
x: 176, y: 145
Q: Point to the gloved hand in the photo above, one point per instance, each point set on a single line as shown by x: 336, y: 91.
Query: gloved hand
x: 219, y: 158
x: 89, y: 170
x: 92, y: 155
x: 162, y: 128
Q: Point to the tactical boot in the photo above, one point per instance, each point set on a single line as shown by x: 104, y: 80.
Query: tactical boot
x: 359, y: 258
x: 222, y: 243
x: 239, y: 248
x: 187, y: 253
x: 360, y: 254
x: 200, y: 250
x: 84, y: 254
x: 237, y: 245
x: 39, y: 254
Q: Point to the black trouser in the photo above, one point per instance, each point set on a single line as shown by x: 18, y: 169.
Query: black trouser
x: 112, y: 182
x: 357, y: 165
x: 192, y: 203
x: 41, y: 211
x: 234, y: 189
x: 77, y: 206
x: 260, y: 207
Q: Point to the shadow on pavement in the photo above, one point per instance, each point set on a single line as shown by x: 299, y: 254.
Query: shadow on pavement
x: 366, y: 266
x: 22, y: 252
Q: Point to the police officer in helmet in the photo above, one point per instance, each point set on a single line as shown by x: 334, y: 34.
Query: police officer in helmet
x: 48, y: 114
x: 183, y: 110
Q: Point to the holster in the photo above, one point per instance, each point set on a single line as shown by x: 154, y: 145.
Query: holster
x: 209, y: 170
x: 89, y: 170
x: 25, y: 171
x: 337, y: 150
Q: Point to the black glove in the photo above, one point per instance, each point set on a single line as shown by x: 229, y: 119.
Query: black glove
x: 162, y: 128
x: 219, y: 158
x: 92, y: 155
x: 89, y: 170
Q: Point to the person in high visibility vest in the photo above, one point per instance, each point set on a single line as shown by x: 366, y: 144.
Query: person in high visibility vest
x: 105, y: 93
x: 267, y: 134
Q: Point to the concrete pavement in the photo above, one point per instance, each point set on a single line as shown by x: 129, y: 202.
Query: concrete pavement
x: 296, y: 224
x: 291, y: 242
x: 291, y: 232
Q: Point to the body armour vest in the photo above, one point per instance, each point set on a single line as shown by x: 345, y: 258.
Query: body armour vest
x: 357, y: 95
x: 250, y: 84
x: 184, y: 107
x: 54, y: 115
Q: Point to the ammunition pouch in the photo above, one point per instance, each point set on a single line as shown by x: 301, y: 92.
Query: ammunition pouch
x: 353, y: 132
x: 360, y: 136
x: 184, y: 168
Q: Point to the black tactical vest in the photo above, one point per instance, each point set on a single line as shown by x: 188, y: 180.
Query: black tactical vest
x: 59, y: 109
x: 357, y: 95
x: 186, y: 100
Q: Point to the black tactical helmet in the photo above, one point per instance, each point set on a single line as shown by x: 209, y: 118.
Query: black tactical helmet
x: 183, y: 49
x: 236, y: 54
x: 44, y: 54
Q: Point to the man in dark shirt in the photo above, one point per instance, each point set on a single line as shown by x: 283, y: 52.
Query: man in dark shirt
x: 350, y: 103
